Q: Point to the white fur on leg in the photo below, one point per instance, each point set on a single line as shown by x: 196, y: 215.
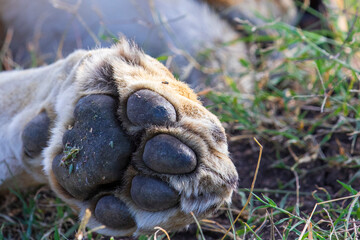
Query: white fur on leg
x: 23, y: 95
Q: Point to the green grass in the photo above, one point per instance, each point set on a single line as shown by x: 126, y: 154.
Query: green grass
x: 305, y: 109
x: 311, y: 91
x: 36, y: 215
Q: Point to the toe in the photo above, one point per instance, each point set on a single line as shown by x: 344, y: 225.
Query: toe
x: 113, y: 213
x: 153, y: 195
x: 147, y: 107
x: 166, y: 154
x: 36, y: 134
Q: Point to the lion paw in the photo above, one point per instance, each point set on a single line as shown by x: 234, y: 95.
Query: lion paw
x: 135, y: 147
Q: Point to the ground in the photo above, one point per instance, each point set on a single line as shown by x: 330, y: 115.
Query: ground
x: 29, y: 214
x: 305, y: 112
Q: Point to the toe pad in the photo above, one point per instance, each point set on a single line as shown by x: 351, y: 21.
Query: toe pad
x: 36, y: 134
x: 147, y: 107
x: 113, y: 213
x: 153, y: 195
x: 166, y: 154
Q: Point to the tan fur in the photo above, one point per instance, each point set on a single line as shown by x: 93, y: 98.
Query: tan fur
x: 220, y: 173
x: 211, y: 184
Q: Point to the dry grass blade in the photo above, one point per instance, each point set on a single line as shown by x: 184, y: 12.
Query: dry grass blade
x: 308, y: 221
x: 198, y: 224
x: 95, y: 229
x: 7, y: 218
x: 332, y: 225
x: 310, y: 232
x: 297, y: 206
x: 251, y: 190
x: 74, y: 9
x: 352, y: 205
x: 323, y: 87
x: 213, y: 226
x: 5, y: 52
x: 162, y: 230
x: 6, y: 44
x: 84, y: 221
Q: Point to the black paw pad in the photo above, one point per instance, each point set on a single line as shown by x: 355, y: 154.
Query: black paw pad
x: 153, y: 195
x: 166, y: 154
x: 96, y: 149
x: 36, y: 134
x: 147, y: 107
x: 113, y: 213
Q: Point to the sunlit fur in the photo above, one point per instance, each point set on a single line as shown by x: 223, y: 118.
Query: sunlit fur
x: 63, y: 83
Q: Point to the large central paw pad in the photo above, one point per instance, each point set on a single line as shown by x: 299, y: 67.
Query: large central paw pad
x: 96, y: 149
x: 146, y: 157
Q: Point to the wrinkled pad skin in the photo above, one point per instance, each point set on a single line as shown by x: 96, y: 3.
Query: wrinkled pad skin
x: 152, y: 194
x: 113, y: 213
x: 104, y: 148
x: 36, y: 134
x: 147, y: 107
x: 166, y: 154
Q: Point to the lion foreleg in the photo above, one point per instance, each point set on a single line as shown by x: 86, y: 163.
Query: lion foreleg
x: 27, y: 102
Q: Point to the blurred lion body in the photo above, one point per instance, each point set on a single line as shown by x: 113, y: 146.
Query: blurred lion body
x: 198, y: 37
